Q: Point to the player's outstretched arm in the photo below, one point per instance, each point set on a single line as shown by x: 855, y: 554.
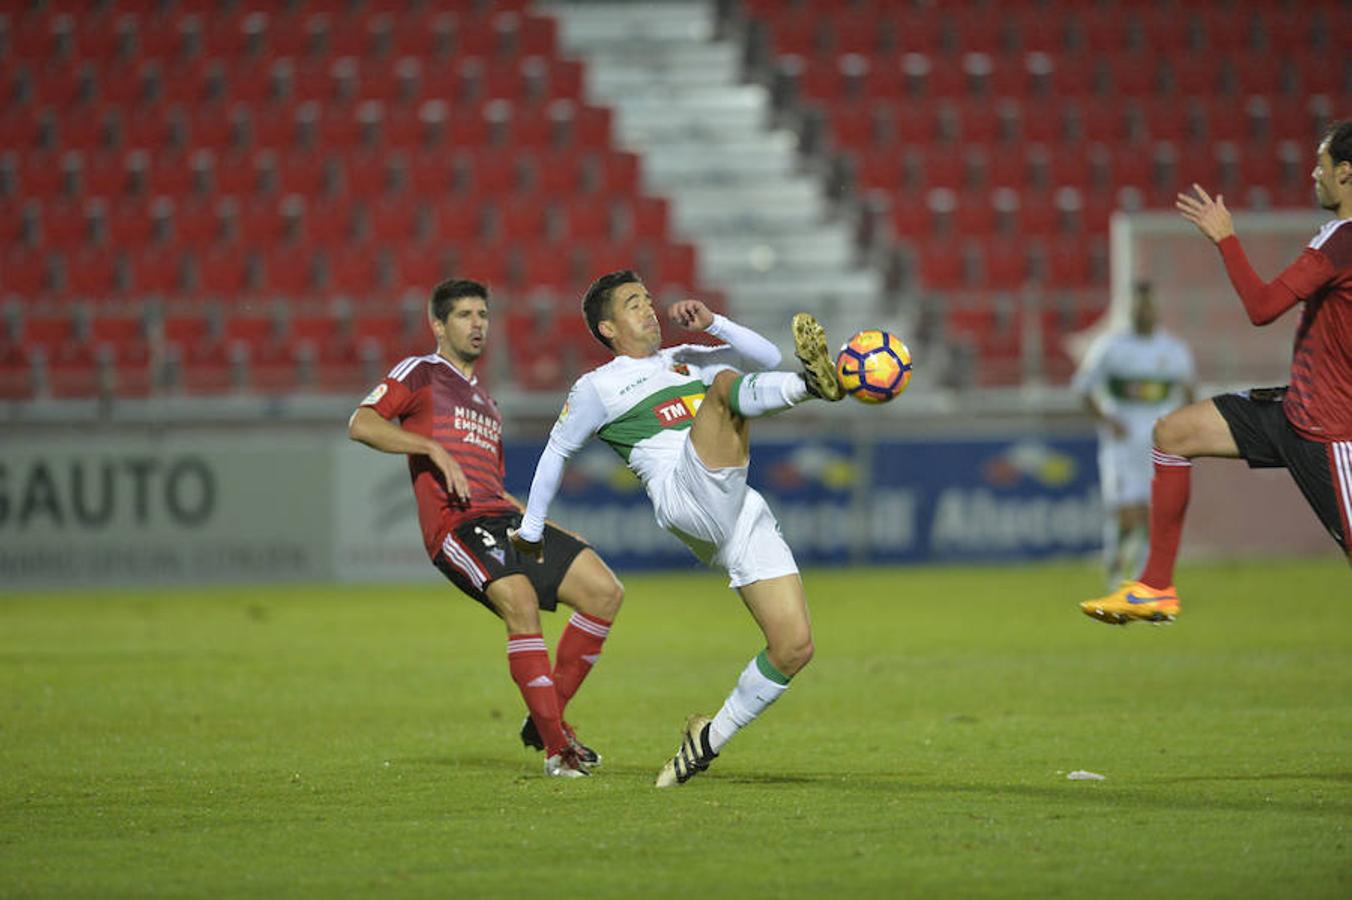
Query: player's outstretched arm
x: 375, y: 431
x: 1210, y: 216
x: 742, y: 348
x: 1263, y: 301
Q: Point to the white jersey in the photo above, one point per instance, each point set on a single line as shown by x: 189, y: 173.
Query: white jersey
x: 1136, y: 378
x: 642, y: 407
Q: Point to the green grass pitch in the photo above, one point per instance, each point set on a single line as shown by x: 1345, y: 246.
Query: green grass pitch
x: 326, y: 742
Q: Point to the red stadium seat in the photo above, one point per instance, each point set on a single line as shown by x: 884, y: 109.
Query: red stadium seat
x: 16, y: 372
x: 129, y: 223
x: 420, y: 266
x: 260, y: 221
x: 185, y: 329
x: 353, y: 270
x: 168, y: 174
x: 942, y: 265
x: 133, y: 371
x: 648, y: 218
x: 104, y: 175
x: 488, y: 173
x: 289, y: 271
x: 523, y: 217
x: 591, y: 127
x: 110, y: 328
x: 618, y: 172
x: 327, y: 221
x: 224, y: 270
x: 272, y: 368
x: 49, y: 332
x: 676, y: 264
x: 881, y: 168
x: 588, y: 219
x: 64, y: 223
x: 156, y: 271
x: 458, y: 221
x: 1004, y: 263
x: 208, y: 369
x: 429, y: 173
x: 195, y: 222
x: 92, y: 272
x: 74, y: 371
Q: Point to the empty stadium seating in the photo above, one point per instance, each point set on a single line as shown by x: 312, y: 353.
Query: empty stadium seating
x: 330, y: 159
x: 995, y: 139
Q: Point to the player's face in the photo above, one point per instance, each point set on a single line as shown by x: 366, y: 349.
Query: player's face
x: 637, y: 330
x: 1325, y: 177
x: 463, y: 332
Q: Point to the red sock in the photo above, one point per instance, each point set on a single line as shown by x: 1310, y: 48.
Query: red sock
x: 528, y: 661
x: 579, y: 646
x: 1168, y: 501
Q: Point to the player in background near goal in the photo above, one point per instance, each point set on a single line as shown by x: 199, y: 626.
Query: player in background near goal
x: 1305, y: 427
x: 451, y: 431
x: 1129, y: 378
x: 680, y: 418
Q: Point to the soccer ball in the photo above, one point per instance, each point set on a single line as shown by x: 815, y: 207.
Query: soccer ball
x: 874, y: 366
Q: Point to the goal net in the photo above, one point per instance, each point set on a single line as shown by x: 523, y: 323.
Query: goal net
x: 1195, y: 298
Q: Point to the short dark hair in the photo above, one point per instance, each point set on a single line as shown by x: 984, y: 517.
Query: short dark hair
x: 596, y: 303
x: 445, y: 294
x: 1339, y: 137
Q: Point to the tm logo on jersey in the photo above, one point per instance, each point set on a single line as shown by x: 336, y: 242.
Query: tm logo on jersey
x: 674, y: 412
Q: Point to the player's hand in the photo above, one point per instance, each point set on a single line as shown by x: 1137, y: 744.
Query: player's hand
x: 533, y: 549
x: 1117, y: 427
x: 456, y: 482
x: 1210, y: 216
x: 691, y: 315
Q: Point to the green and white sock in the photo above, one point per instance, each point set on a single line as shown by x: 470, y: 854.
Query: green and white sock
x: 763, y: 393
x: 759, y: 685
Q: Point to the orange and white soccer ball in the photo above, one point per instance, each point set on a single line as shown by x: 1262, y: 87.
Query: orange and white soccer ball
x: 874, y: 366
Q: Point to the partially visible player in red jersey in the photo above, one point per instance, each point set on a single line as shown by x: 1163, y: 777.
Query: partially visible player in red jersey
x: 1305, y: 427
x: 451, y: 431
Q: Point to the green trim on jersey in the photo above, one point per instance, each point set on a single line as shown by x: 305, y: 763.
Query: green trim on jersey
x: 1140, y: 390
x: 640, y: 421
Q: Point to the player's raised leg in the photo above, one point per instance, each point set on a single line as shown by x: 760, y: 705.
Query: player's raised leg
x: 1194, y: 431
x: 528, y: 660
x: 819, y: 370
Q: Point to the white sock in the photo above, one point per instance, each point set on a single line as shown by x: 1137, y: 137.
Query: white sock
x: 762, y: 393
x: 755, y: 691
x: 1133, y: 543
x: 1112, y: 549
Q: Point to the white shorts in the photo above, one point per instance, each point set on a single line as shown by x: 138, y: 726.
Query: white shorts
x: 722, y: 521
x: 1125, y: 472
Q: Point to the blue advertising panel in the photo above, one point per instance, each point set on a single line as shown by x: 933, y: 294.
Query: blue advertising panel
x: 1028, y: 498
x: 841, y: 501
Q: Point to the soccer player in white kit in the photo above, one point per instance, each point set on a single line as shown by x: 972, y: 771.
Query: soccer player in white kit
x: 1129, y: 379
x: 679, y: 418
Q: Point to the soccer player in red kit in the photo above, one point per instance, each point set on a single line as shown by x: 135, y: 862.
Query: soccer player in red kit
x: 451, y: 431
x: 1305, y: 427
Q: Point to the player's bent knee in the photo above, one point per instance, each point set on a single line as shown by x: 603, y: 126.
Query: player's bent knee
x: 516, y: 602
x: 1171, y: 434
x: 609, y: 596
x: 791, y: 656
x: 720, y: 388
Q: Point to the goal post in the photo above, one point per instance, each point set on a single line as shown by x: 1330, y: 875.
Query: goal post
x: 1195, y: 298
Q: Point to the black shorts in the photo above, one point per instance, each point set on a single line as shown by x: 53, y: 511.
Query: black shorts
x: 477, y: 553
x: 1266, y: 440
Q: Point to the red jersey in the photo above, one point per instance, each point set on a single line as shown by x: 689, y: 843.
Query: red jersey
x: 431, y: 397
x: 1319, y: 402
